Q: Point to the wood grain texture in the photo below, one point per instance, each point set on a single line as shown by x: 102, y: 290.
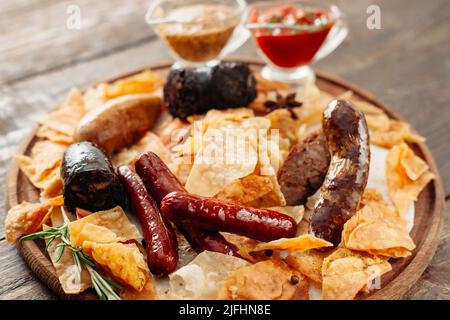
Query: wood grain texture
x: 406, y: 64
x: 405, y: 272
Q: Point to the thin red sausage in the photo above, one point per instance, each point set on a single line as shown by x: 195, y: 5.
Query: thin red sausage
x: 160, y: 181
x: 347, y: 137
x: 216, y: 215
x: 162, y: 248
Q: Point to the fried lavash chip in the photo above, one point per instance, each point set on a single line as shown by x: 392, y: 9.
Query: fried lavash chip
x: 345, y: 273
x: 297, y: 244
x: 378, y: 230
x: 71, y: 280
x: 26, y: 218
x: 42, y: 167
x: 407, y: 175
x: 103, y: 227
x: 265, y: 280
x: 124, y: 262
x: 65, y: 119
x: 204, y: 276
x: 309, y: 263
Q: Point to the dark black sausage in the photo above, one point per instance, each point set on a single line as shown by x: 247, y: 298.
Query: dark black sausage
x: 89, y: 179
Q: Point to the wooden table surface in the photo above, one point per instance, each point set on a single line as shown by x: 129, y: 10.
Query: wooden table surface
x: 406, y: 63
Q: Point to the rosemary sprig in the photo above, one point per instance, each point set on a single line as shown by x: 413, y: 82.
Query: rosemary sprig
x: 103, y: 286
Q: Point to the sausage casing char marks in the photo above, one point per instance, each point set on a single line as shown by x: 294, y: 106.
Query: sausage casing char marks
x: 216, y: 215
x: 304, y: 169
x: 162, y: 250
x: 160, y: 181
x: 89, y: 179
x: 347, y: 137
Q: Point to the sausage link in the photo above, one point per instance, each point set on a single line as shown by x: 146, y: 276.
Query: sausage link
x: 347, y: 137
x: 216, y: 215
x: 162, y: 248
x: 160, y: 181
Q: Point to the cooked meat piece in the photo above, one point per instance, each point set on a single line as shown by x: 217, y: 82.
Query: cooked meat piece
x: 305, y: 168
x: 190, y: 91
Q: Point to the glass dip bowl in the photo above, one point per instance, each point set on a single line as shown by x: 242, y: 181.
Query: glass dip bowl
x: 292, y: 34
x: 199, y: 32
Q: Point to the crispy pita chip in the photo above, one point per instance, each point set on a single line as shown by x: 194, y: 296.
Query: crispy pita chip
x: 295, y: 212
x: 42, y: 168
x: 309, y: 263
x: 26, y: 218
x: 228, y: 153
x: 203, y: 277
x: 144, y: 82
x: 149, y: 142
x: 71, y: 280
x: 298, y: 244
x: 282, y: 120
x: 124, y: 261
x: 147, y: 293
x: 103, y: 227
x: 265, y: 280
x: 376, y: 118
x: 48, y: 133
x: 378, y: 230
x: 94, y: 97
x: 243, y: 245
x: 264, y: 86
x: 345, y: 273
x: 66, y: 118
x: 246, y: 189
x: 407, y: 175
x: 397, y: 132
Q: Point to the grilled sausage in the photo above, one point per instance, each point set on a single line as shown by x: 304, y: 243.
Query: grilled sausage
x: 160, y: 181
x: 119, y: 122
x: 162, y: 250
x: 347, y: 137
x: 89, y: 179
x: 216, y: 215
x: 304, y: 169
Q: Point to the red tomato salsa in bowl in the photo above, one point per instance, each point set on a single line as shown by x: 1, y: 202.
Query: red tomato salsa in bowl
x: 289, y: 35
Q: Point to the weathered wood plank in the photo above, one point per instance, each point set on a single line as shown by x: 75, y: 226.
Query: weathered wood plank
x: 17, y: 280
x: 35, y: 38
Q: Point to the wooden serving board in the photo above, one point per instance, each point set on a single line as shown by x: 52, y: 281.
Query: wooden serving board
x: 405, y: 272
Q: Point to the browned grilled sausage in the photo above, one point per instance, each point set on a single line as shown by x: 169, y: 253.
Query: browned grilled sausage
x: 119, y: 122
x: 216, y: 215
x: 160, y: 181
x: 162, y: 249
x: 305, y: 168
x: 347, y: 137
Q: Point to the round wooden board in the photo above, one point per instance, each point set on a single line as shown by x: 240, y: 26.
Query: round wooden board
x: 428, y: 208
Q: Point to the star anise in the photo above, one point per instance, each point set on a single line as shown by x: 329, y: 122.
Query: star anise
x: 288, y: 102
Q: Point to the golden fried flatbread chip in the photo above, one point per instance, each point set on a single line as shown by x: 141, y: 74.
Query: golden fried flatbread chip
x: 65, y: 119
x: 72, y: 281
x: 407, y: 175
x: 103, y: 227
x: 297, y: 244
x: 228, y: 153
x: 244, y: 245
x: 147, y: 293
x: 125, y: 262
x: 295, y: 212
x: 26, y: 218
x: 204, y: 276
x: 376, y: 118
x: 265, y: 280
x: 397, y: 132
x: 309, y: 263
x: 149, y: 142
x: 378, y: 230
x: 345, y: 273
x: 143, y: 82
x: 48, y: 133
